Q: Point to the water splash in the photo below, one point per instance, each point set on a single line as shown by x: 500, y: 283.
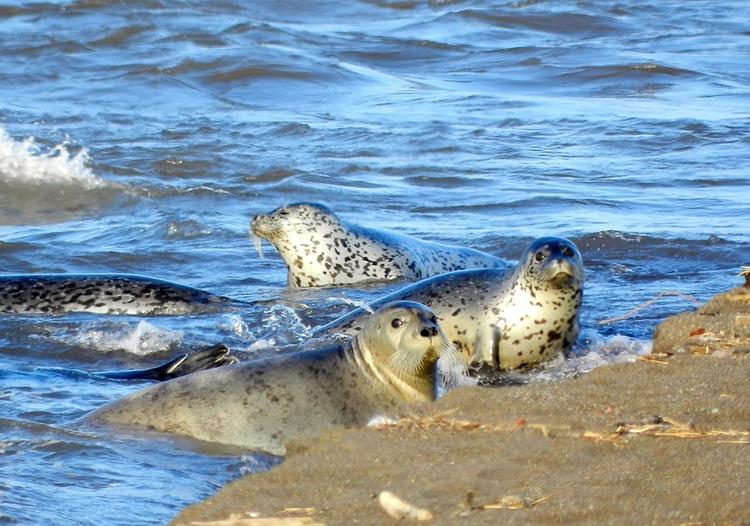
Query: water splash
x: 142, y: 340
x: 610, y: 351
x: 353, y: 302
x: 24, y: 163
x: 280, y: 326
x: 258, y: 462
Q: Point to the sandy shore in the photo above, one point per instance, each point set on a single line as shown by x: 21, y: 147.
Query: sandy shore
x: 665, y: 440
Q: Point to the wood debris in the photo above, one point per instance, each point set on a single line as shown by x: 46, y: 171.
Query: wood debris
x: 666, y: 427
x: 508, y: 502
x: 237, y: 519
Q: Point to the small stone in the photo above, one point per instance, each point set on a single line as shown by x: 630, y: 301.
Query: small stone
x: 399, y: 509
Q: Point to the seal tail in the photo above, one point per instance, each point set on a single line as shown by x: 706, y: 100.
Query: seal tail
x: 203, y: 359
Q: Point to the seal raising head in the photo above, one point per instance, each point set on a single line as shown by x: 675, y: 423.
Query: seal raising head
x: 319, y: 249
x: 262, y: 404
x: 501, y: 319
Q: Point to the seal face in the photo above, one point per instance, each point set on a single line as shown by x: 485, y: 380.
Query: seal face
x: 102, y: 294
x: 263, y: 403
x: 503, y: 319
x: 319, y: 249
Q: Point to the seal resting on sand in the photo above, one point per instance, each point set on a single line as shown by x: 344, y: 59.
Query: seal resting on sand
x: 261, y: 404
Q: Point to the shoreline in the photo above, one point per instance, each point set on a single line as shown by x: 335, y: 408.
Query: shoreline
x: 663, y: 440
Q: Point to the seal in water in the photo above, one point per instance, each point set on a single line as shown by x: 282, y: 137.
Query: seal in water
x: 261, y: 404
x: 102, y: 294
x: 319, y: 249
x: 501, y: 319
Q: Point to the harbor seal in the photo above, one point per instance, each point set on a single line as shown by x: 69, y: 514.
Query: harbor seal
x: 103, y: 294
x: 495, y: 318
x: 319, y: 249
x: 261, y: 404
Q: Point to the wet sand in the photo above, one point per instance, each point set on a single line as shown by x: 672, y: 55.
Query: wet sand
x: 665, y: 440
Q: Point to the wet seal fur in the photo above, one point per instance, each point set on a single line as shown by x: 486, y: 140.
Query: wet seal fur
x: 319, y: 249
x: 102, y: 294
x: 500, y: 319
x: 261, y: 404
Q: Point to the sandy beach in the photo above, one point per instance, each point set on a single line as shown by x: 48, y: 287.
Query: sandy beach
x: 664, y: 440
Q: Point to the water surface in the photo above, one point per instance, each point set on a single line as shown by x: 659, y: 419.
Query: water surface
x: 140, y: 136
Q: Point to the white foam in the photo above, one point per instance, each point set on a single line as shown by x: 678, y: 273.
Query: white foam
x: 353, y: 302
x: 616, y: 349
x: 143, y: 339
x: 24, y: 163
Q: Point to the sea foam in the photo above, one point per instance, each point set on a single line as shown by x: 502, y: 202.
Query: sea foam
x: 24, y: 162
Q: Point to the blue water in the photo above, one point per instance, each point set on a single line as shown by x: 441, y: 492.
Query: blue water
x: 160, y: 127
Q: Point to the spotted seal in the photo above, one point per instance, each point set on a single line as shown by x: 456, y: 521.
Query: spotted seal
x: 320, y: 249
x: 103, y: 294
x: 261, y: 404
x: 496, y: 318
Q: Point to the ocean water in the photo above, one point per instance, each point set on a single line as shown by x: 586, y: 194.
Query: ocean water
x: 140, y: 136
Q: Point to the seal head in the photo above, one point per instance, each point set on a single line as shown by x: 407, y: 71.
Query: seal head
x: 552, y: 262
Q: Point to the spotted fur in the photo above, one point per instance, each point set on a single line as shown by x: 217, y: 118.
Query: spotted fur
x: 262, y: 404
x: 504, y: 319
x: 101, y: 294
x: 319, y: 249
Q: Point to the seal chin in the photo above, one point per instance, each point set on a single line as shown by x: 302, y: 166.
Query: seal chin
x: 561, y: 279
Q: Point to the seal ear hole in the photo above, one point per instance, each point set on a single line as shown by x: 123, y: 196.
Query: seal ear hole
x: 540, y: 256
x: 396, y: 323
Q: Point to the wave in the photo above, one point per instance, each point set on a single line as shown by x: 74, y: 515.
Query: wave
x: 40, y: 184
x: 26, y: 163
x: 143, y: 339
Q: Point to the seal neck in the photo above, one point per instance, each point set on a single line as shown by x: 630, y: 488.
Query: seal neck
x: 403, y: 386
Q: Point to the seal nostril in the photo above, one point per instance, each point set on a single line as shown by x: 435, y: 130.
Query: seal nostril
x: 434, y: 331
x: 426, y: 333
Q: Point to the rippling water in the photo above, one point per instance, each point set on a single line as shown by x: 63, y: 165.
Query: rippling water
x: 140, y: 136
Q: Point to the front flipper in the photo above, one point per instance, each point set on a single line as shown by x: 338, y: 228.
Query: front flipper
x: 207, y: 358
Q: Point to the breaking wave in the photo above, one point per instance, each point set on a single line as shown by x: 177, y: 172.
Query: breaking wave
x: 39, y: 184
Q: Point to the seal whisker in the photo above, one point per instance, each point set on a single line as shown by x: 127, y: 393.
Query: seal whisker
x: 258, y: 242
x: 451, y: 366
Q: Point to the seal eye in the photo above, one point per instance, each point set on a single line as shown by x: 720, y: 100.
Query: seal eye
x: 396, y: 323
x: 568, y: 252
x: 539, y: 256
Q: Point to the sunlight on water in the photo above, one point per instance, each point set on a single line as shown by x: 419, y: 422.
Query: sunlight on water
x: 141, y: 137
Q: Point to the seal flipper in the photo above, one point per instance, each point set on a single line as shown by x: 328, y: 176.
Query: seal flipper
x: 207, y: 358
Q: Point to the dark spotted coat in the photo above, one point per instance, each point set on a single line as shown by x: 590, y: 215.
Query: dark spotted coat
x: 319, y: 249
x: 505, y: 319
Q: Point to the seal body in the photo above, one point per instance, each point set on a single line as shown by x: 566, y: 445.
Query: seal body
x: 319, y: 249
x: 102, y: 294
x: 502, y: 319
x: 263, y: 403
